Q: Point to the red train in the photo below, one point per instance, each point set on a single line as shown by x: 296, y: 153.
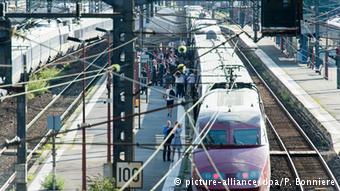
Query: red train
x: 230, y: 121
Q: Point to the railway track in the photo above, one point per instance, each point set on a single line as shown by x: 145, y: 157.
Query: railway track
x: 294, y: 158
x: 63, y: 103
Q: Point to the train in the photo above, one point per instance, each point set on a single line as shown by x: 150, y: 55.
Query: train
x: 45, y: 41
x: 231, y: 117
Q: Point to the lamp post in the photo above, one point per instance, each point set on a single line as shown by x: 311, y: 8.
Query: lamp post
x: 83, y: 42
x: 108, y: 32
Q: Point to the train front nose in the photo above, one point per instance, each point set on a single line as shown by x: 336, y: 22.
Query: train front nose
x: 234, y: 176
x: 234, y: 172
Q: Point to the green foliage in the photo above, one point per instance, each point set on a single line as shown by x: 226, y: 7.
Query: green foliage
x: 39, y: 83
x: 36, y: 86
x: 67, y: 66
x: 49, y: 73
x: 48, y: 183
x: 30, y: 177
x: 99, y: 183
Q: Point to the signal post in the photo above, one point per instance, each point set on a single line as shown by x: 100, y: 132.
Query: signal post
x: 123, y: 89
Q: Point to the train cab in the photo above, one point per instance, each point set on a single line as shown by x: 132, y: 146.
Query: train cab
x: 232, y: 128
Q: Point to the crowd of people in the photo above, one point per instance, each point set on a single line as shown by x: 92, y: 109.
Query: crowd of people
x: 169, y: 70
x: 172, y: 70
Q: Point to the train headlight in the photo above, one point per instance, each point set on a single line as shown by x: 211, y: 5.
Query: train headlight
x: 248, y: 175
x: 212, y: 176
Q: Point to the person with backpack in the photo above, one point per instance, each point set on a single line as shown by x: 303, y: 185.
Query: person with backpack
x: 169, y: 97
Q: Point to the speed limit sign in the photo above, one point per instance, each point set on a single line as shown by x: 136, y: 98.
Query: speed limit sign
x: 125, y: 170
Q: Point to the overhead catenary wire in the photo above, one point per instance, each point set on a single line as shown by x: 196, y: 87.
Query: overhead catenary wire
x: 64, y: 83
x: 207, y: 153
x: 48, y: 87
x: 154, y: 154
x: 198, y: 139
x: 165, y: 139
x: 285, y: 41
x: 88, y: 126
x: 54, y: 78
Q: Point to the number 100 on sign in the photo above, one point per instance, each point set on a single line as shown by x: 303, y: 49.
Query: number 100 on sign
x: 126, y: 170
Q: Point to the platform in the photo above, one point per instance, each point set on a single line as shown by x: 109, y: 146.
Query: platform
x: 69, y: 155
x: 318, y: 95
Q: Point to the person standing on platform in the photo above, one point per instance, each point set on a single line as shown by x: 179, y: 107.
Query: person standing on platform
x: 191, y: 82
x: 161, y: 73
x: 176, y: 142
x: 169, y: 97
x: 166, y: 148
x: 154, y: 76
x: 169, y: 79
x: 179, y: 80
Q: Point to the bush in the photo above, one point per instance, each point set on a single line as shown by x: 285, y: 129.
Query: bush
x: 48, y: 183
x: 49, y: 73
x: 36, y: 85
x: 44, y: 74
x: 99, y: 183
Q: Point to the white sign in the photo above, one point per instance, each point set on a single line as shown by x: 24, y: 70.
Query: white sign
x: 125, y: 170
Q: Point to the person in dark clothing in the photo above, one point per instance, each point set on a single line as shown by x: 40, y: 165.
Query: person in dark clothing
x: 154, y: 76
x: 143, y: 81
x: 169, y: 79
x: 161, y: 74
x: 167, y: 130
x: 180, y: 80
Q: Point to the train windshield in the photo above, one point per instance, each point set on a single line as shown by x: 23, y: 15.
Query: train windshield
x: 216, y: 137
x: 246, y: 137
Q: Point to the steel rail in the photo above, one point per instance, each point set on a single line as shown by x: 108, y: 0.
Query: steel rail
x: 291, y: 163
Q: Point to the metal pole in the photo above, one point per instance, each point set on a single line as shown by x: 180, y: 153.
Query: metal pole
x: 147, y: 13
x: 28, y: 6
x: 83, y: 129
x: 54, y: 155
x: 123, y: 32
x: 141, y: 25
x: 152, y: 9
x: 338, y: 68
x: 21, y: 166
x: 317, y: 37
x: 49, y: 6
x: 109, y: 104
x: 326, y: 51
x: 256, y: 17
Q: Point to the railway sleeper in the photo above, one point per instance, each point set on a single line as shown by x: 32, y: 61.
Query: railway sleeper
x: 293, y: 153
